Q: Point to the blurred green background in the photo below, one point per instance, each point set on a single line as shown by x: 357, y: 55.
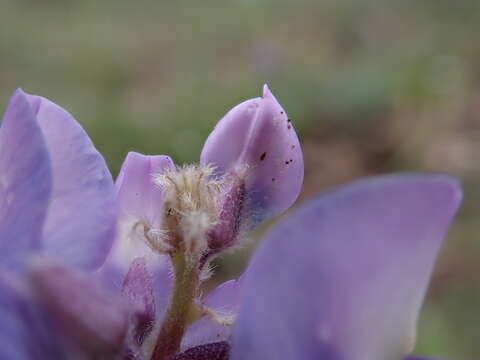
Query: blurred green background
x: 372, y: 87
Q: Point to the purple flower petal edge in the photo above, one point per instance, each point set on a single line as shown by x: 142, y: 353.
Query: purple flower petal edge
x: 25, y: 181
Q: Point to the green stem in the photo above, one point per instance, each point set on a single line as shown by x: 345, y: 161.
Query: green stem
x: 179, y: 310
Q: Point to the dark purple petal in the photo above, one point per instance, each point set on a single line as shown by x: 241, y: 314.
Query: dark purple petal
x: 224, y: 300
x: 91, y: 318
x: 233, y: 211
x: 25, y: 181
x: 256, y: 141
x: 213, y: 351
x: 81, y: 217
x: 138, y: 290
x: 344, y: 277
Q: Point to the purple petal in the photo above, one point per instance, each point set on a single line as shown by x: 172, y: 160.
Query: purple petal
x: 90, y: 317
x: 83, y: 193
x: 25, y: 333
x: 257, y: 141
x: 25, y: 180
x: 140, y: 204
x: 137, y: 195
x: 224, y: 300
x: 345, y: 276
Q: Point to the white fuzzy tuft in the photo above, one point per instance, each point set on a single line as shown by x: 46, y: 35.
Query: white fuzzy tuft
x: 191, y: 206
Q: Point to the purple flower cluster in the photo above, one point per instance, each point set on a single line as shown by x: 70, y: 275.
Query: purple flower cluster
x: 92, y: 269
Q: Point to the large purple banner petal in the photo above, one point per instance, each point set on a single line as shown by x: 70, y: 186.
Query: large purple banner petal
x: 344, y: 277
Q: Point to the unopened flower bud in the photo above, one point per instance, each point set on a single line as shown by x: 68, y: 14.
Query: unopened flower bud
x: 256, y: 140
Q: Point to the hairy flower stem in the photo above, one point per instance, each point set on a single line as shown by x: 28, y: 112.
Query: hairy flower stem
x: 179, y: 312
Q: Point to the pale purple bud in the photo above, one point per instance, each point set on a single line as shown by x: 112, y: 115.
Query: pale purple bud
x: 256, y: 142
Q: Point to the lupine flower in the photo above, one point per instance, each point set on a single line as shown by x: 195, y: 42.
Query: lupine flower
x: 341, y: 278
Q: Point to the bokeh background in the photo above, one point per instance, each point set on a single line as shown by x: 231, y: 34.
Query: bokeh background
x: 372, y: 87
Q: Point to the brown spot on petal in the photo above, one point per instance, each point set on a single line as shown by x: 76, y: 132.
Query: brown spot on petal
x: 262, y: 157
